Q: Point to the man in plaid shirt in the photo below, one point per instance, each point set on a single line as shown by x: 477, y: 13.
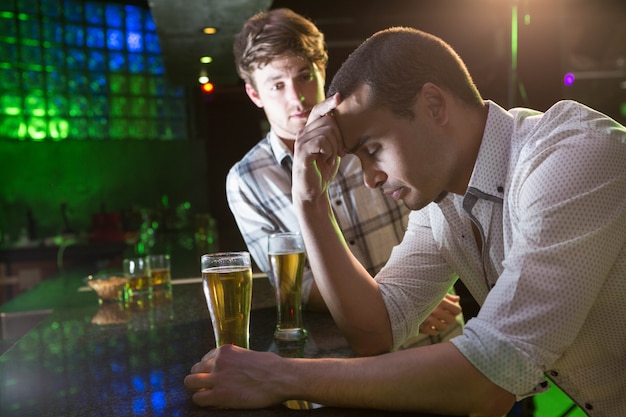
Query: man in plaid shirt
x: 282, y: 58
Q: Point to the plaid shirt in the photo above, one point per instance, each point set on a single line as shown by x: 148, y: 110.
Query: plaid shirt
x: 258, y: 189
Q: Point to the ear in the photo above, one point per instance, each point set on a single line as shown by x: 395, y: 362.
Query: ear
x: 436, y: 103
x: 254, y: 96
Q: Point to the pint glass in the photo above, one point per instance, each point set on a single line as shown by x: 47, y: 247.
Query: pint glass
x: 227, y: 284
x: 286, y: 257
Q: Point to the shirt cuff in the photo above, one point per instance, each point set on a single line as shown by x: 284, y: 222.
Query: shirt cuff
x: 496, y: 357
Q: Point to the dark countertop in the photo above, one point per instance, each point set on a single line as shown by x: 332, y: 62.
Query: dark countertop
x: 74, y: 364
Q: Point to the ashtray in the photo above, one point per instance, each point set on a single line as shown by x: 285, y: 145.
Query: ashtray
x: 109, y: 287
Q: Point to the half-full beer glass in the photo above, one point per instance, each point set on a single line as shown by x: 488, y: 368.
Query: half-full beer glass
x: 227, y: 284
x: 286, y: 256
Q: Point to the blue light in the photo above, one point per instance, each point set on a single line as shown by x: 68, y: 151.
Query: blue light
x: 94, y: 13
x: 117, y: 62
x: 114, y: 15
x: 158, y: 401
x: 95, y: 37
x: 155, y: 65
x: 74, y: 35
x: 149, y: 22
x: 138, y: 384
x: 152, y: 43
x: 117, y: 367
x: 136, y: 63
x: 139, y: 406
x: 75, y: 59
x: 96, y: 61
x: 133, y: 17
x: 115, y: 39
x: 73, y: 11
x: 156, y: 379
x: 134, y: 41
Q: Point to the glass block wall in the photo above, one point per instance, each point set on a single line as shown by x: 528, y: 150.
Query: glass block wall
x: 84, y: 70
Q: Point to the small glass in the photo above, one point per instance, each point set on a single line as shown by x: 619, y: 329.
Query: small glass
x: 160, y: 272
x: 136, y: 270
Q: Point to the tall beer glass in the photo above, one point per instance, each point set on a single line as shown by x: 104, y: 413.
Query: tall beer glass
x: 286, y: 256
x: 227, y: 284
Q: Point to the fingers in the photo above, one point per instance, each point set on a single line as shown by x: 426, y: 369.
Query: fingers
x: 198, y: 382
x: 432, y: 326
x: 320, y: 137
x: 233, y: 377
x: 321, y: 134
x: 209, y: 355
x: 316, y: 156
x: 202, y: 366
x: 323, y: 108
x: 451, y: 303
x: 442, y: 317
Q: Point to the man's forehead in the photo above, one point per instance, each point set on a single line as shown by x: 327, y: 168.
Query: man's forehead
x: 352, y: 121
x: 285, y: 64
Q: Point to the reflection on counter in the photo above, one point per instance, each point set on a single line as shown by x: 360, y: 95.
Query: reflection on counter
x: 130, y: 358
x: 111, y: 313
x: 117, y: 342
x: 140, y: 311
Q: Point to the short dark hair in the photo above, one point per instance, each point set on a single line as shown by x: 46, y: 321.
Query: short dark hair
x: 275, y: 34
x: 396, y: 62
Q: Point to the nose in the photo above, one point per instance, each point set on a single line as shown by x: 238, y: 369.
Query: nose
x: 295, y: 94
x: 372, y: 177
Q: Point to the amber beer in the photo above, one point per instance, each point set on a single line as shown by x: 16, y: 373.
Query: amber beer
x: 286, y: 257
x: 160, y: 277
x: 228, y: 292
x: 139, y: 282
x: 160, y: 271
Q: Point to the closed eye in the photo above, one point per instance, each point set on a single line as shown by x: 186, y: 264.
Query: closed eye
x: 372, y: 150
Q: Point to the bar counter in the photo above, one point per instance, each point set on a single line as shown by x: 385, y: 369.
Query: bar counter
x: 83, y: 359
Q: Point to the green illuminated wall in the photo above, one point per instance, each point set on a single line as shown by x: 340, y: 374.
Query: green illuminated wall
x: 87, y: 117
x: 120, y: 175
x: 84, y: 70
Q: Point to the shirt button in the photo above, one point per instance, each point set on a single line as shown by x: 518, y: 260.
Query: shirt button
x: 554, y: 373
x: 500, y: 189
x: 352, y: 242
x: 588, y: 406
x: 337, y: 202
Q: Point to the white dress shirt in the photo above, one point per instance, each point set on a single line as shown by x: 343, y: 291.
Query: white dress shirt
x: 548, y: 194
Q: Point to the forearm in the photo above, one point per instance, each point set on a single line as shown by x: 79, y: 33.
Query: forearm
x: 349, y: 292
x: 436, y: 379
x: 316, y: 301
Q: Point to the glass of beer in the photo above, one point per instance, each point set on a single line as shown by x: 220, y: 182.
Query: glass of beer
x: 227, y: 284
x: 286, y: 256
x: 160, y: 271
x: 136, y: 270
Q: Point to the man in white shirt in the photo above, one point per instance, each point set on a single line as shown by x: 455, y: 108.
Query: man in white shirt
x: 527, y: 208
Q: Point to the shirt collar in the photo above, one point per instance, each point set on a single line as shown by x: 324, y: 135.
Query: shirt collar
x: 492, y: 164
x: 281, y: 152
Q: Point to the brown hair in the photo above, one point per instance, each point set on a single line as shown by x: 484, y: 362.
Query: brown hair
x: 395, y: 63
x: 275, y: 34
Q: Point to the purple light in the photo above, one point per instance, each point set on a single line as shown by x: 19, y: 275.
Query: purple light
x: 569, y: 79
